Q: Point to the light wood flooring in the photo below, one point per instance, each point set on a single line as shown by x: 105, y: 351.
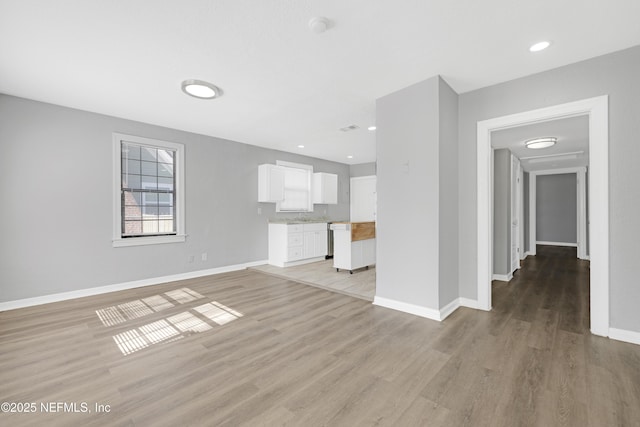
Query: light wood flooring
x: 250, y: 349
x: 360, y: 284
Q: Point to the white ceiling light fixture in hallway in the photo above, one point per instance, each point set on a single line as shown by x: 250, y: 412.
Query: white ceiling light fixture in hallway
x: 539, y: 143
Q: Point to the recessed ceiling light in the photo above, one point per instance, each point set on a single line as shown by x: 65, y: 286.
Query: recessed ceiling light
x: 539, y: 46
x: 300, y: 146
x: 371, y: 128
x: 200, y: 89
x: 349, y: 157
x: 538, y: 143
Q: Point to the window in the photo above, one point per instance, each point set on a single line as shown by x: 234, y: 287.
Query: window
x: 297, y: 188
x: 148, y: 191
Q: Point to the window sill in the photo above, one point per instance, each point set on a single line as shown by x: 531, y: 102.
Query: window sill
x: 150, y: 240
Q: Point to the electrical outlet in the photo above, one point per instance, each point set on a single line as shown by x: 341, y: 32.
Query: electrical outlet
x: 191, y: 258
x: 203, y: 256
x: 259, y: 211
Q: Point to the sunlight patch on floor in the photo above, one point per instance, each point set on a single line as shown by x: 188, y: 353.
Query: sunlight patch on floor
x: 136, y: 309
x: 198, y: 319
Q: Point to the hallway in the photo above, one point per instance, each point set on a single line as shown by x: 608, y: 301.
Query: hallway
x: 553, y: 285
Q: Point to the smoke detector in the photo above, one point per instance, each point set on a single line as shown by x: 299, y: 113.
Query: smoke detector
x: 319, y: 24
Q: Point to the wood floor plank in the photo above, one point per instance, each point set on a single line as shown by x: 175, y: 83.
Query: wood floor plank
x: 252, y: 349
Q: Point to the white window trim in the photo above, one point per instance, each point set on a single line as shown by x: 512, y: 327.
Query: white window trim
x: 180, y: 235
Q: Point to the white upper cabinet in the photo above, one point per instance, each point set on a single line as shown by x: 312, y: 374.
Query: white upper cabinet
x: 270, y: 183
x: 325, y: 188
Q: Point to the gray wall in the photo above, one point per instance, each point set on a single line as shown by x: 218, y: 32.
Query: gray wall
x: 407, y: 232
x: 501, y: 211
x: 417, y: 242
x: 615, y: 75
x: 56, y: 188
x: 447, y: 193
x: 556, y: 208
x: 363, y: 169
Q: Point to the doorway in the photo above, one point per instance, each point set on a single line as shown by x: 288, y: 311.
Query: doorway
x: 597, y: 111
x: 581, y: 219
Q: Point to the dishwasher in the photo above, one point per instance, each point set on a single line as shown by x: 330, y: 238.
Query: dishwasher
x: 329, y: 241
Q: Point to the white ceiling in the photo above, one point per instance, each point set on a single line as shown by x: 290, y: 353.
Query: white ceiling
x: 570, y: 151
x: 283, y: 84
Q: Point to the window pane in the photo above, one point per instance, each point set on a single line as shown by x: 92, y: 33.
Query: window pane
x: 149, y: 154
x: 166, y: 225
x: 131, y: 166
x: 149, y: 168
x: 165, y: 184
x: 150, y: 212
x: 165, y: 156
x: 132, y: 228
x: 130, y: 151
x: 296, y: 190
x: 150, y: 226
x: 165, y: 169
x: 132, y: 198
x: 150, y: 198
x: 131, y: 181
x: 165, y: 199
x: 149, y: 182
x: 132, y: 213
x: 165, y: 211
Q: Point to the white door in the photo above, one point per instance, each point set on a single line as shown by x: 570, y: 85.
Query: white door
x: 521, y: 224
x: 516, y: 197
x: 363, y: 198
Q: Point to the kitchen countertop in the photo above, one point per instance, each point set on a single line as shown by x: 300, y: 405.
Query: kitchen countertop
x: 299, y: 220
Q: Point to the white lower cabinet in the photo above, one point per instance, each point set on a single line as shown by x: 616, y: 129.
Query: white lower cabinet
x: 293, y: 244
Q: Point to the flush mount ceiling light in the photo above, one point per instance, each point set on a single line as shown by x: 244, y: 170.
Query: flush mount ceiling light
x: 349, y: 157
x: 537, y: 143
x: 539, y: 46
x: 371, y: 128
x: 200, y: 89
x: 300, y: 146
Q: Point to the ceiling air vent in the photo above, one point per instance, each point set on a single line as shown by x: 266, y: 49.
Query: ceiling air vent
x: 349, y: 128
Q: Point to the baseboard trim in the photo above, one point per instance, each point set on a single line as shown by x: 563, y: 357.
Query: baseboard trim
x: 624, y: 335
x: 429, y: 313
x: 63, y: 296
x: 502, y: 277
x: 529, y: 253
x: 571, y: 245
x: 405, y: 307
x: 449, y: 308
x: 469, y: 303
